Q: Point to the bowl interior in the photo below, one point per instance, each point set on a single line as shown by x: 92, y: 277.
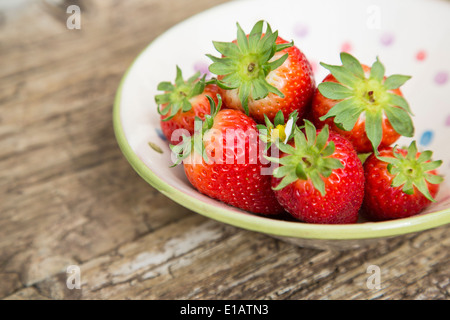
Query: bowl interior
x: 321, y: 29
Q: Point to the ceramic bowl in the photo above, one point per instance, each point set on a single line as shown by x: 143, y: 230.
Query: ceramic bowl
x: 409, y: 37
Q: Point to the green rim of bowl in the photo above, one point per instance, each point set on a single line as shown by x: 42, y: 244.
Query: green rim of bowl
x: 271, y: 226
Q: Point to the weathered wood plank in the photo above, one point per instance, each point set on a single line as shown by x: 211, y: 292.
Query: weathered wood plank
x: 181, y: 263
x: 27, y: 294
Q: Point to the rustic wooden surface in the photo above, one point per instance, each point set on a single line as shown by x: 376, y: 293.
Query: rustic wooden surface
x: 69, y: 197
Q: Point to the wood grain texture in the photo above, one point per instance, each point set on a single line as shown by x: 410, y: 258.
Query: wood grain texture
x: 68, y: 196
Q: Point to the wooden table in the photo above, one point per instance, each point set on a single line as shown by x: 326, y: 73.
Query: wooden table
x: 69, y: 197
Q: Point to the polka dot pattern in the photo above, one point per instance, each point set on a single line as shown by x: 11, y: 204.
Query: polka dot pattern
x: 426, y: 138
x: 387, y: 39
x: 441, y: 78
x: 314, y: 66
x: 202, y: 67
x: 346, y: 47
x: 160, y: 134
x: 421, y: 55
x: 447, y: 121
x: 301, y: 30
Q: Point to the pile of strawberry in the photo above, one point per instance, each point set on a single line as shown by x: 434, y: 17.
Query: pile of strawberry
x: 261, y: 136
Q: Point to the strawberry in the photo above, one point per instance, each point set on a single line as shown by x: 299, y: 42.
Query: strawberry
x: 261, y: 73
x: 399, y: 183
x: 320, y: 178
x: 181, y: 102
x: 222, y: 161
x: 363, y: 105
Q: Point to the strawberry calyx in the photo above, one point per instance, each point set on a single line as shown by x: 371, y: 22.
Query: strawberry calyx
x: 278, y: 131
x: 412, y: 171
x: 369, y: 95
x: 195, y: 143
x: 309, y: 157
x: 246, y: 63
x: 176, y: 96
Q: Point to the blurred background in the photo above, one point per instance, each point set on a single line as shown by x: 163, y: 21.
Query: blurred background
x: 68, y: 196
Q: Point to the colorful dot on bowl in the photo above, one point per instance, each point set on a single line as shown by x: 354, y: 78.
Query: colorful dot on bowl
x: 346, y: 47
x: 301, y: 30
x: 441, y: 77
x: 426, y: 138
x: 387, y: 39
x: 160, y: 134
x: 314, y: 66
x: 421, y: 55
x: 447, y: 121
x: 202, y: 67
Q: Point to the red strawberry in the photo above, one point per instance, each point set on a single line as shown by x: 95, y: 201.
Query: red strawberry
x: 320, y: 178
x: 363, y: 105
x: 182, y: 102
x: 223, y: 162
x: 261, y: 73
x: 399, y: 183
